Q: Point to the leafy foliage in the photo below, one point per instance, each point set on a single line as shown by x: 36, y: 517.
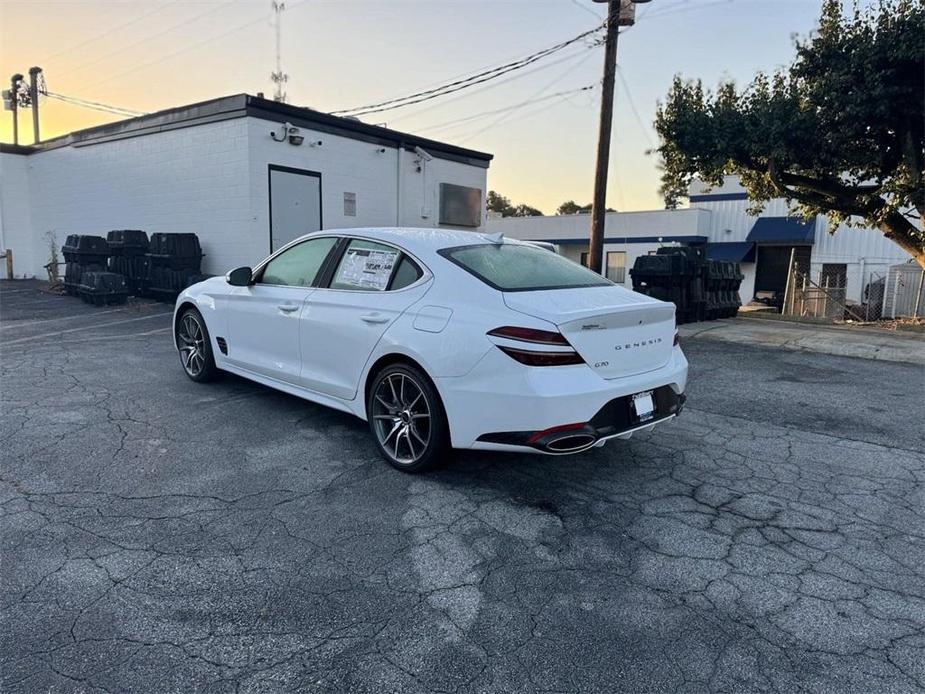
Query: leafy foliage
x: 501, y: 204
x: 841, y: 132
x: 572, y: 207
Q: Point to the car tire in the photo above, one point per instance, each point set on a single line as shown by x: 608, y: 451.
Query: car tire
x: 407, y: 419
x: 195, y: 347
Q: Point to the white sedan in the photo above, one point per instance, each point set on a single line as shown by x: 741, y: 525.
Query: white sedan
x: 441, y: 339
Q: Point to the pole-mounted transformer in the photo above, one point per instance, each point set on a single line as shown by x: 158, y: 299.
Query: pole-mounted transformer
x: 11, y: 103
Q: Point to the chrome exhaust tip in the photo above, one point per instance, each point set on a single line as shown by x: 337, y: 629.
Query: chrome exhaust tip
x: 571, y: 442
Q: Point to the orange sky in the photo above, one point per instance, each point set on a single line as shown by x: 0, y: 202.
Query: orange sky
x: 147, y: 55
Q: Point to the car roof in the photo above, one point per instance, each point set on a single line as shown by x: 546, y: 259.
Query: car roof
x: 418, y: 240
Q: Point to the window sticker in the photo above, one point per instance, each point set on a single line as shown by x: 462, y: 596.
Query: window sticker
x: 366, y: 268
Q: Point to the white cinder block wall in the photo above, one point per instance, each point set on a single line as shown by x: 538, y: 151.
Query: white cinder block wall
x: 368, y: 169
x: 210, y: 179
x: 16, y: 217
x: 191, y: 179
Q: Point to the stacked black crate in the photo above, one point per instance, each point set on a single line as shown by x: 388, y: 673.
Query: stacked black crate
x: 101, y: 288
x: 127, y: 249
x: 82, y: 253
x: 674, y: 274
x: 174, y: 262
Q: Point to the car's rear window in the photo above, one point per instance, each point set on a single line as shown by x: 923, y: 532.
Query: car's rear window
x: 516, y: 268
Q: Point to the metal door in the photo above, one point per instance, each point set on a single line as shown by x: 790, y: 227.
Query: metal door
x: 295, y: 204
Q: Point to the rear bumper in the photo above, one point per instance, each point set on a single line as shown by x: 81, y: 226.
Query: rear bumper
x: 501, y: 405
x: 616, y: 418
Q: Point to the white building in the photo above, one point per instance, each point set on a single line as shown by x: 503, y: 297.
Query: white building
x: 719, y: 218
x: 230, y: 171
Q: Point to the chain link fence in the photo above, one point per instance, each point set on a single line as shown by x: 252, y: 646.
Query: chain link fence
x: 896, y: 293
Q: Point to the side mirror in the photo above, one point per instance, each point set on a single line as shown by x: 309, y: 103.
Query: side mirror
x: 239, y: 277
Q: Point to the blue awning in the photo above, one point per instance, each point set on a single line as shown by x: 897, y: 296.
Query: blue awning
x: 736, y: 251
x: 782, y: 230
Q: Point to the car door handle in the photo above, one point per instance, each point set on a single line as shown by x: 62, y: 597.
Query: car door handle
x: 288, y: 308
x: 374, y: 318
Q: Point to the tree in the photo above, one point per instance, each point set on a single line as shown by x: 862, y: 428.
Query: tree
x: 526, y: 211
x: 841, y: 132
x: 502, y: 205
x: 572, y: 207
x: 499, y: 203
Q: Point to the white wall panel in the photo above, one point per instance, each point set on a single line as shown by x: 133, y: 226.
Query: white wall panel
x: 16, y: 218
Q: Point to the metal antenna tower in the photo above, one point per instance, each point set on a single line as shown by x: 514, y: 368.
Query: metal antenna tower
x: 279, y: 77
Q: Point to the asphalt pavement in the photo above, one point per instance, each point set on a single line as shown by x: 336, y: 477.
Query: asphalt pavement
x: 163, y: 536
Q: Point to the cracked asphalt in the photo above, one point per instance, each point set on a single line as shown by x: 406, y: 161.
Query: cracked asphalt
x: 163, y: 536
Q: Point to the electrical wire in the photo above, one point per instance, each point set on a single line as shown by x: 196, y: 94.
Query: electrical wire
x: 466, y: 82
x: 524, y: 116
x: 538, y: 93
x: 629, y: 98
x: 96, y: 105
x: 506, y: 109
x: 96, y: 37
x: 169, y: 56
x: 163, y: 32
x: 587, y: 9
x: 491, y: 85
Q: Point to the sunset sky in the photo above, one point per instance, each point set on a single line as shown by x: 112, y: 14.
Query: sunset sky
x: 147, y: 55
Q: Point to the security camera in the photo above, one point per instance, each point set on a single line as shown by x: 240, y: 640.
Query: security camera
x: 380, y: 150
x: 422, y: 154
x: 281, y: 134
x: 315, y: 143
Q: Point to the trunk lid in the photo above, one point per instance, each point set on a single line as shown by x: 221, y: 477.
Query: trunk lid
x: 617, y: 332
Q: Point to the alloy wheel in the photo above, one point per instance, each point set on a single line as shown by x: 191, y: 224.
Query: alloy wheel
x: 401, y: 418
x: 192, y: 340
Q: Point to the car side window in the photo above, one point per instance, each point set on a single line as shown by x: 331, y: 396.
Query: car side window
x: 365, y: 266
x: 407, y: 273
x: 298, y: 266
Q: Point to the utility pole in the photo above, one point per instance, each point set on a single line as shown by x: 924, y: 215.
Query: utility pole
x: 279, y: 77
x: 34, y: 73
x: 619, y: 13
x: 15, y: 82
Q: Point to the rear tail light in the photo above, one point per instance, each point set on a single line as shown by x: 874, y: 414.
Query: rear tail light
x: 533, y: 358
x: 537, y: 357
x: 538, y: 337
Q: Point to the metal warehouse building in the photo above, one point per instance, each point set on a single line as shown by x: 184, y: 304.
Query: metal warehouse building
x: 850, y: 257
x: 244, y: 173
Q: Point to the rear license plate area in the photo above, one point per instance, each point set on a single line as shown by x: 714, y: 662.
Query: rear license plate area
x: 643, y: 405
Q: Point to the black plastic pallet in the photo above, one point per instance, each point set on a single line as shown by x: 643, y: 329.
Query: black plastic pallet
x: 100, y: 288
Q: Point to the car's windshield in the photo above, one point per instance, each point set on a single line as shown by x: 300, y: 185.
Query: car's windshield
x: 514, y: 267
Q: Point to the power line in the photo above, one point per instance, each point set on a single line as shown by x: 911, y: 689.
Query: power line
x: 169, y: 56
x: 464, y: 83
x: 96, y: 105
x: 506, y: 109
x: 111, y: 30
x: 163, y: 32
x: 629, y: 98
x: 493, y: 85
x: 541, y: 91
x: 587, y: 9
x: 466, y: 137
